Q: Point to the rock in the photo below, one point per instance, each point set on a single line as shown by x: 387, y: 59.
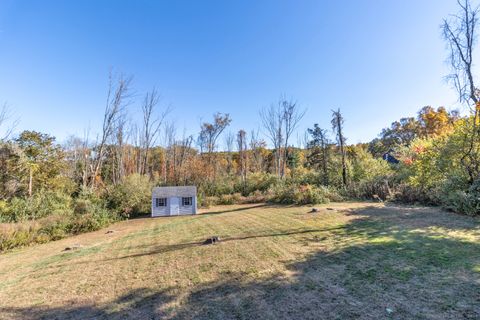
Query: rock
x: 110, y: 231
x: 330, y: 209
x: 314, y: 210
x: 212, y: 240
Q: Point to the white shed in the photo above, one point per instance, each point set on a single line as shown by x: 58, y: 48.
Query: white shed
x: 174, y: 201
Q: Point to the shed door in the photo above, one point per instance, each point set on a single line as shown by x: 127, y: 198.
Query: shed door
x: 174, y: 206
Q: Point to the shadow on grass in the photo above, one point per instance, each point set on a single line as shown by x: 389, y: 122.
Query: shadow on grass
x: 228, y: 210
x: 159, y: 249
x: 387, y: 259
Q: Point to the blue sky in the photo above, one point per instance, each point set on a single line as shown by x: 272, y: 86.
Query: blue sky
x: 376, y: 60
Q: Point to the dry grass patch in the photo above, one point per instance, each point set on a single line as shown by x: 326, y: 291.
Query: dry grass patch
x: 273, y: 262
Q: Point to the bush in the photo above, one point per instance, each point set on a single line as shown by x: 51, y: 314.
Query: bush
x: 54, y: 227
x: 228, y: 199
x: 255, y: 182
x: 256, y: 197
x: 302, y: 194
x: 38, y: 206
x: 85, y: 216
x: 14, y: 235
x: 132, y: 197
x: 467, y: 202
x: 207, y: 202
x: 407, y: 193
x: 91, y: 221
x: 368, y: 189
x: 83, y: 206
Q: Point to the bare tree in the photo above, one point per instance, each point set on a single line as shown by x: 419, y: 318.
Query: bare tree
x: 151, y: 125
x: 209, y: 132
x: 337, y: 126
x: 256, y: 147
x: 74, y: 157
x: 185, y: 146
x: 292, y: 115
x: 272, y: 120
x: 460, y: 35
x: 242, y: 152
x: 117, y: 99
x: 136, y: 141
x: 229, y: 139
x: 4, y: 116
x: 87, y: 167
x: 279, y: 122
x: 170, y: 162
x: 118, y: 148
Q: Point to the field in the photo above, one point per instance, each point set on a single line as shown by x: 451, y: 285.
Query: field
x: 348, y: 261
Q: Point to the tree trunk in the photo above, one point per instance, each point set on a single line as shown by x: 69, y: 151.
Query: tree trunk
x: 30, y: 182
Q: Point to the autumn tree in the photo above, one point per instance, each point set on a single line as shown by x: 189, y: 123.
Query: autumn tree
x: 209, y: 133
x: 433, y: 122
x: 41, y: 159
x: 229, y: 141
x: 460, y: 34
x: 429, y: 122
x: 318, y: 146
x: 258, y: 149
x: 401, y: 132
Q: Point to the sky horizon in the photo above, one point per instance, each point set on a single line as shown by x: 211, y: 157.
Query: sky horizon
x: 377, y: 61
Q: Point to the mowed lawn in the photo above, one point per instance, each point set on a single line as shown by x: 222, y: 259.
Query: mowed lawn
x: 348, y: 261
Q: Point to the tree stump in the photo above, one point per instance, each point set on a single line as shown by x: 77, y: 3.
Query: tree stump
x: 212, y: 240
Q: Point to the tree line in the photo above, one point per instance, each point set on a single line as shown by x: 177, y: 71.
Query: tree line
x: 87, y: 182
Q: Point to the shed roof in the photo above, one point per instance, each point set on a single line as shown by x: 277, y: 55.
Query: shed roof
x: 181, y: 191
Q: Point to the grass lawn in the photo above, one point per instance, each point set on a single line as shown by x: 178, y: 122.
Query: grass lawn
x: 357, y: 261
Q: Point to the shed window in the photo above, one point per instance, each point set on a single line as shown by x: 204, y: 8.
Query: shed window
x: 186, y: 201
x: 161, y: 202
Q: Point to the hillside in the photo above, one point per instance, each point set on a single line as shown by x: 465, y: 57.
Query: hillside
x: 352, y: 260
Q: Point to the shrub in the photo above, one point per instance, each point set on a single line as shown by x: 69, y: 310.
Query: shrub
x: 98, y: 219
x: 83, y: 206
x: 467, y: 202
x: 367, y: 189
x: 406, y: 193
x: 14, y: 235
x: 54, y: 227
x: 207, y: 202
x: 228, y: 199
x: 86, y: 216
x: 256, y: 197
x: 257, y: 182
x: 301, y: 194
x: 38, y: 206
x: 132, y: 197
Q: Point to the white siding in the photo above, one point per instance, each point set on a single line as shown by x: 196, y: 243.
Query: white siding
x: 174, y: 201
x: 192, y: 209
x: 159, y: 211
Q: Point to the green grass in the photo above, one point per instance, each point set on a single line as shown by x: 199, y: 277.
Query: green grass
x: 273, y: 262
